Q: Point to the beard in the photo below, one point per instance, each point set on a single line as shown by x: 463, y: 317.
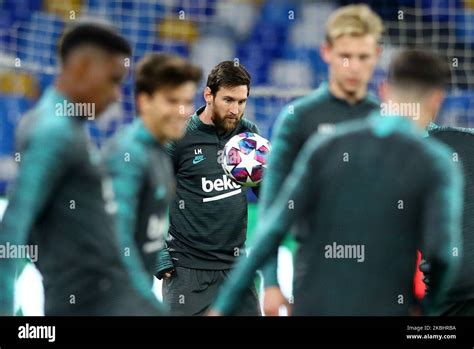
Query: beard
x: 225, y: 123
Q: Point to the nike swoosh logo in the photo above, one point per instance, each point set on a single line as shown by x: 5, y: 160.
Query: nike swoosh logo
x: 197, y: 161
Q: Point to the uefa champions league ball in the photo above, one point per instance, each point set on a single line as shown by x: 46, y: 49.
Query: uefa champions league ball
x: 245, y: 158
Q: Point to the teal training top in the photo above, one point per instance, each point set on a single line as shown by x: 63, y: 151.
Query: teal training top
x: 208, y: 218
x: 144, y: 185
x: 461, y: 141
x: 294, y: 126
x: 60, y: 203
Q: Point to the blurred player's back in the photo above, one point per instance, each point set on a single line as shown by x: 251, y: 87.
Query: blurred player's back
x: 461, y: 295
x: 59, y: 201
x: 363, y: 226
x: 78, y: 249
x: 362, y: 200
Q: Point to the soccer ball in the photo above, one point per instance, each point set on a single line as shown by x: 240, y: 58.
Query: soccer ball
x: 245, y: 158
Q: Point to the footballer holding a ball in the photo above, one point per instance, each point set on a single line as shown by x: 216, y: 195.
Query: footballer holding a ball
x: 208, y: 218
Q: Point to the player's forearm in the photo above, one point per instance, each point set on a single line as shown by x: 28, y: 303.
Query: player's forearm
x: 444, y: 261
x: 280, y: 160
x: 269, y: 189
x: 443, y: 240
x: 280, y: 166
x: 268, y: 192
x: 164, y: 263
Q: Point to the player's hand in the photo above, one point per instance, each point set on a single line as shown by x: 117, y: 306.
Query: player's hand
x: 168, y: 274
x: 273, y: 300
x: 213, y: 312
x: 425, y: 268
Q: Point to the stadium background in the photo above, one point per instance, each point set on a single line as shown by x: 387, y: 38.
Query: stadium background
x: 277, y: 40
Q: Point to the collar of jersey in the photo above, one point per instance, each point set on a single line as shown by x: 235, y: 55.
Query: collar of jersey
x: 324, y: 87
x: 52, y: 96
x: 201, y: 125
x: 384, y: 125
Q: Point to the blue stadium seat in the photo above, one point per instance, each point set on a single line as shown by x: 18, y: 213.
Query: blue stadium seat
x: 457, y: 108
x: 100, y: 6
x: 266, y: 111
x: 310, y: 56
x: 150, y: 9
x: 465, y: 26
x: 6, y: 20
x: 141, y: 48
x: 37, y: 40
x: 291, y: 73
x: 253, y: 57
x: 277, y: 11
x: 440, y: 10
x: 272, y: 37
x: 179, y: 48
x: 195, y: 9
x: 21, y: 9
x: 11, y: 109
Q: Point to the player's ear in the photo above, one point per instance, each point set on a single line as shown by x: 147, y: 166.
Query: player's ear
x: 324, y: 51
x: 143, y: 102
x: 436, y: 99
x: 208, y: 95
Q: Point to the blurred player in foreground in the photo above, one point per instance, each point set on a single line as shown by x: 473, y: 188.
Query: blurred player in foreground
x: 363, y: 199
x: 208, y: 218
x: 59, y: 202
x: 140, y: 168
x: 351, y: 51
x: 460, y: 297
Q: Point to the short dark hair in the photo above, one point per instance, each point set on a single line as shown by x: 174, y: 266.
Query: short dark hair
x: 419, y: 68
x: 101, y: 35
x: 157, y: 70
x: 228, y: 74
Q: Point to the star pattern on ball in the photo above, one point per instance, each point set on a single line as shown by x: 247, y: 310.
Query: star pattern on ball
x: 259, y: 142
x: 248, y: 161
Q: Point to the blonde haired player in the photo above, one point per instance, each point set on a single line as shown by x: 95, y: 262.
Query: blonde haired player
x: 351, y: 50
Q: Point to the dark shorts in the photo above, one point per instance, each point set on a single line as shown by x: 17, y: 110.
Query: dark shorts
x: 192, y: 292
